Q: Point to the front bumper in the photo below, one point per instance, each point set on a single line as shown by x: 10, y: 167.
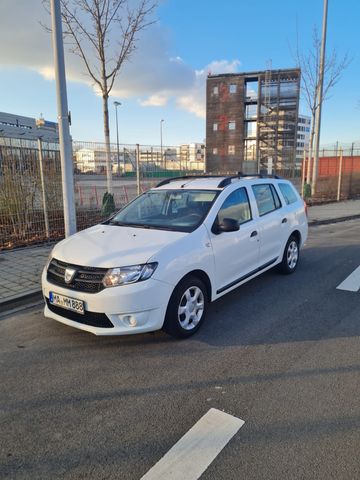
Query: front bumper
x: 135, y: 308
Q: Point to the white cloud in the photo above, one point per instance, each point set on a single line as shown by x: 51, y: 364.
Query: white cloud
x: 153, y: 75
x: 157, y: 100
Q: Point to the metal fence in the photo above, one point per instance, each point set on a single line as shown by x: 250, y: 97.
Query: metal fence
x: 338, y: 172
x: 31, y: 206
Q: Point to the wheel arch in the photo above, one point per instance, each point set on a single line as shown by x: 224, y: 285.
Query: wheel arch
x: 204, y: 277
x: 297, y: 235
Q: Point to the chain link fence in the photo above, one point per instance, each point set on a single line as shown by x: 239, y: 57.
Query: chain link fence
x: 31, y: 206
x: 338, y: 172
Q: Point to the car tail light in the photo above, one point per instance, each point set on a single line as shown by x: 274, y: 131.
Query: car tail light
x: 306, y: 208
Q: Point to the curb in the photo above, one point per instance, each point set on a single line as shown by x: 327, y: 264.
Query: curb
x: 327, y: 221
x: 20, y: 302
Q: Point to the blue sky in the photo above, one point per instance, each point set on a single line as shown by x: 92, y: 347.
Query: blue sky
x: 166, y: 78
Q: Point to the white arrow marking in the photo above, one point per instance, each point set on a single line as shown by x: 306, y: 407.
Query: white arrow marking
x: 193, y: 453
x: 352, y: 282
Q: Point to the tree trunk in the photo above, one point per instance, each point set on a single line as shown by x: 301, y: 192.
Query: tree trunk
x: 311, y: 142
x: 107, y: 144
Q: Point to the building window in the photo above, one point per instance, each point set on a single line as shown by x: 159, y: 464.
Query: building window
x: 232, y: 125
x: 232, y: 88
x: 215, y: 151
x: 216, y: 90
x: 231, y: 149
x: 250, y: 150
x: 215, y: 127
x: 250, y: 129
x: 250, y: 111
x: 251, y: 90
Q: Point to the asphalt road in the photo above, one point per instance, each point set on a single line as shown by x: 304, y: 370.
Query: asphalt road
x: 281, y: 353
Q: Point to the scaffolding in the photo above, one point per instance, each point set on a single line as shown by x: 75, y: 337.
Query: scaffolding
x: 277, y: 120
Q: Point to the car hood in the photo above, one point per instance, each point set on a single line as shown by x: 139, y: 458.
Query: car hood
x: 109, y: 246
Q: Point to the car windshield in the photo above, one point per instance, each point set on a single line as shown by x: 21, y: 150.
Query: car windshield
x: 179, y: 210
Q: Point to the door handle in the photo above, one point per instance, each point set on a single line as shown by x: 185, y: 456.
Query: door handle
x: 284, y: 220
x: 253, y: 234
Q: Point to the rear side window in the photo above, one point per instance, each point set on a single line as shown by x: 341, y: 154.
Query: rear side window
x: 288, y: 193
x: 267, y: 198
x: 236, y: 206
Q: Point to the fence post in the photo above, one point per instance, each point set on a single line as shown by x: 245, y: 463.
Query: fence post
x: 138, y: 168
x: 46, y: 217
x: 303, y: 174
x: 340, y: 175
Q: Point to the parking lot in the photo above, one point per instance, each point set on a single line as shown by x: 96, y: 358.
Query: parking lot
x: 280, y: 352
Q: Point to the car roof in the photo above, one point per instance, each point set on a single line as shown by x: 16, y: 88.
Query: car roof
x: 216, y: 182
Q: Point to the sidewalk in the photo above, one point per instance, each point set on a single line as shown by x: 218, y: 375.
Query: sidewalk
x: 20, y: 270
x: 334, y: 212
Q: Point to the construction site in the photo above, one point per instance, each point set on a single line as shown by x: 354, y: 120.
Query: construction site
x: 251, y: 121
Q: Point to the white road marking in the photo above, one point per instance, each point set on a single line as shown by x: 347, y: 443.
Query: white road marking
x: 193, y: 453
x: 352, y: 282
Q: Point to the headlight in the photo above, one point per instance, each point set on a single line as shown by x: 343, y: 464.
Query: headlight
x: 126, y: 275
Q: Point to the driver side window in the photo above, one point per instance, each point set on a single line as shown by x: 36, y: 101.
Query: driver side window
x: 236, y: 206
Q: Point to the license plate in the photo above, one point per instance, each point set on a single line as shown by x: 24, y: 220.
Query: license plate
x: 67, y: 302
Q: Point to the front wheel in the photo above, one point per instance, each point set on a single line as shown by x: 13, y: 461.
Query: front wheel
x: 186, y: 309
x: 291, y: 256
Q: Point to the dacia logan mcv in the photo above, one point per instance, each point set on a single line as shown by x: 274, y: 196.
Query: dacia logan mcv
x: 160, y: 260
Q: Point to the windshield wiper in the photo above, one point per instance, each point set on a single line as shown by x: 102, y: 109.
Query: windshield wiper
x: 115, y: 222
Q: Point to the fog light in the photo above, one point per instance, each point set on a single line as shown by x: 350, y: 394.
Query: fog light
x: 130, y: 320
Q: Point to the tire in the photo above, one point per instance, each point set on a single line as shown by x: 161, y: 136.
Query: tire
x: 291, y: 256
x: 184, y: 317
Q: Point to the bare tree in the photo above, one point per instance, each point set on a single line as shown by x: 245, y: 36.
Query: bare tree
x: 104, y: 34
x: 309, y: 62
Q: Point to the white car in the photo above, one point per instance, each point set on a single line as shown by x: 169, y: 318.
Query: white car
x: 159, y: 261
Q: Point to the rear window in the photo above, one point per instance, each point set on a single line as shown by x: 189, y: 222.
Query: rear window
x: 288, y: 193
x: 267, y: 198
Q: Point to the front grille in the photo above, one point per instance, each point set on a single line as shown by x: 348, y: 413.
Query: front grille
x: 89, y: 318
x: 87, y: 279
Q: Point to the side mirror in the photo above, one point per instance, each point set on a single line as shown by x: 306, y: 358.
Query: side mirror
x: 228, y: 225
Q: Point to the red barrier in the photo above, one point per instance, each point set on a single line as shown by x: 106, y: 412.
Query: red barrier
x: 329, y: 166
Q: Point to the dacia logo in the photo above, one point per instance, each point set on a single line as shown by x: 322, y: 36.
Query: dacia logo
x: 69, y: 275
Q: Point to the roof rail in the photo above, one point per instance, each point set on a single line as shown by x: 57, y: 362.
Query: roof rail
x: 186, y: 177
x: 226, y: 180
x: 259, y: 175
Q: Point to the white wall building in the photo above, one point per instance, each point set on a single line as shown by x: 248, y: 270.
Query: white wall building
x: 302, y: 138
x: 191, y: 155
x: 28, y: 128
x: 89, y: 160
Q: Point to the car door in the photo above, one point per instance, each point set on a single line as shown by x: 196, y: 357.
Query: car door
x: 235, y: 253
x: 272, y: 223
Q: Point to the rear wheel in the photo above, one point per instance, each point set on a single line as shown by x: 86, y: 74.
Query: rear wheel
x: 187, y: 308
x: 291, y: 256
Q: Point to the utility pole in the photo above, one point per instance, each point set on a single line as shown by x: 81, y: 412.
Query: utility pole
x: 319, y: 99
x: 117, y: 104
x: 63, y: 119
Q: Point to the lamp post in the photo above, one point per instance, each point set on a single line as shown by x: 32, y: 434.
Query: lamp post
x: 161, y: 140
x: 319, y: 98
x: 63, y: 121
x: 117, y: 104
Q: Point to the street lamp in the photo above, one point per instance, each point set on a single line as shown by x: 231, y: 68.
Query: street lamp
x: 117, y: 104
x: 161, y: 140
